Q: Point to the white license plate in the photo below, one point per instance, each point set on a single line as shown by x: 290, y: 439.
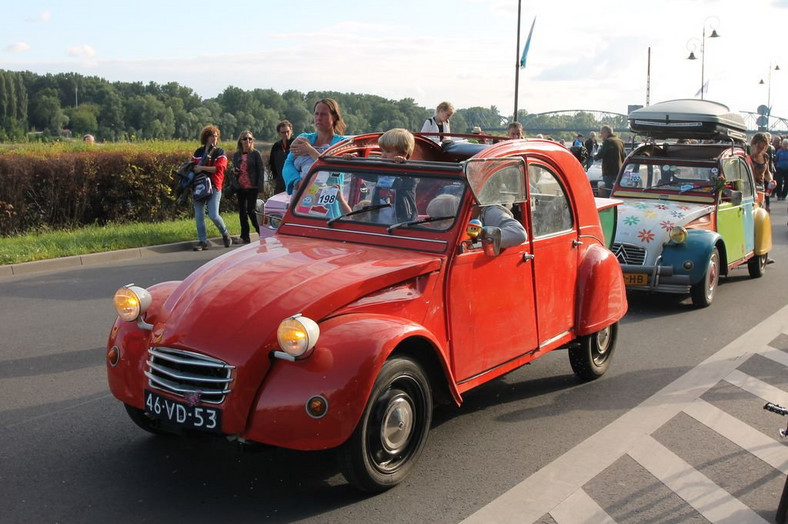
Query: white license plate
x: 183, y: 415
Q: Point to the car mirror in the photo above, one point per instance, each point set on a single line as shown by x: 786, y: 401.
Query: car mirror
x: 734, y: 196
x: 491, y: 240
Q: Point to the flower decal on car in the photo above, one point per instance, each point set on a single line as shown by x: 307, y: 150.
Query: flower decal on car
x: 667, y: 225
x: 645, y: 235
x: 631, y: 220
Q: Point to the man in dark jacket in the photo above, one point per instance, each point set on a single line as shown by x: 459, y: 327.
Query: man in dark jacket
x: 592, y: 148
x: 279, y: 151
x: 611, y: 153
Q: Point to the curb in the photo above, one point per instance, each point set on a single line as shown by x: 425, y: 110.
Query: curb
x: 92, y: 259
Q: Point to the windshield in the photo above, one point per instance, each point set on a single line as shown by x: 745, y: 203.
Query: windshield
x: 385, y: 200
x: 666, y: 176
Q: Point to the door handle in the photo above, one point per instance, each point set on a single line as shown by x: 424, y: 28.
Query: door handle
x: 576, y: 243
x: 527, y: 256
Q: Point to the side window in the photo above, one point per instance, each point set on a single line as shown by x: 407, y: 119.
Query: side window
x: 747, y: 190
x: 550, y: 209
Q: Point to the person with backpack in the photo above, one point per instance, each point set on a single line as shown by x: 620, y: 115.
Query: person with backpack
x: 210, y: 162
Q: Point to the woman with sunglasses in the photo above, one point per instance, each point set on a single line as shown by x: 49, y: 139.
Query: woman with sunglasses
x: 248, y: 169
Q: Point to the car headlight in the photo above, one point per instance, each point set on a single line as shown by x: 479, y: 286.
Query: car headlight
x: 678, y: 235
x: 131, y: 302
x: 297, y: 335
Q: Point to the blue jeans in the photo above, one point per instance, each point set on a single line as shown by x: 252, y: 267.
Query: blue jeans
x: 213, y: 214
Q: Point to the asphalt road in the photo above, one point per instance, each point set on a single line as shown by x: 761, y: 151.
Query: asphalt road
x: 70, y: 454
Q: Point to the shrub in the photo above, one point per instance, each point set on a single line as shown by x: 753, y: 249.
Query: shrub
x: 57, y: 186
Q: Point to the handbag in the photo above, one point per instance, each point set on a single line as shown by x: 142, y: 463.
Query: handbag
x: 202, y: 189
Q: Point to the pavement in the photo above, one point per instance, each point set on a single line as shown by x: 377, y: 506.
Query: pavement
x: 700, y: 450
x: 94, y: 259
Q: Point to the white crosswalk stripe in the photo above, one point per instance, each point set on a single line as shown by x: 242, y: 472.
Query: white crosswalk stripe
x: 556, y: 490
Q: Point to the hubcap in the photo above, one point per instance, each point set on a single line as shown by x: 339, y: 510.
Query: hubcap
x: 397, y: 425
x: 713, y: 275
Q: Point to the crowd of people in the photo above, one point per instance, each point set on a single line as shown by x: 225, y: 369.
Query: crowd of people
x: 290, y: 159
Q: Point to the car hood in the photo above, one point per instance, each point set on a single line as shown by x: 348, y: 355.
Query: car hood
x: 238, y: 300
x: 647, y: 223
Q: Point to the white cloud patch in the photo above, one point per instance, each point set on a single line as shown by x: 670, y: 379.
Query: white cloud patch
x: 17, y: 47
x: 41, y: 18
x: 81, y: 51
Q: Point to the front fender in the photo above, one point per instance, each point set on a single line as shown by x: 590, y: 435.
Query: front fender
x: 697, y: 249
x: 601, y: 293
x: 127, y: 379
x: 763, y: 231
x: 343, y: 367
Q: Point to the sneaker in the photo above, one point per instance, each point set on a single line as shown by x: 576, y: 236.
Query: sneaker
x: 227, y: 240
x: 201, y: 246
x: 246, y: 240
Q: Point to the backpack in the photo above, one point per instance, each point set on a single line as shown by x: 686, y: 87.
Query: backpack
x: 580, y: 152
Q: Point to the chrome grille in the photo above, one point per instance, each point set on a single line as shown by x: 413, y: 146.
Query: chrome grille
x: 189, y: 375
x: 629, y: 254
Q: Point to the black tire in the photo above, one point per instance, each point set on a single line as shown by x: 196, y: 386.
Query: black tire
x: 591, y: 357
x: 393, y: 428
x: 757, y: 265
x: 703, y: 292
x: 151, y: 425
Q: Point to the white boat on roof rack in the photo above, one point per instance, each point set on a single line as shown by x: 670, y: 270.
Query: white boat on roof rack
x: 688, y: 118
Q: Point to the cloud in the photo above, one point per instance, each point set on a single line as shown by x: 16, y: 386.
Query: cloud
x: 17, y: 47
x: 81, y: 51
x: 43, y: 17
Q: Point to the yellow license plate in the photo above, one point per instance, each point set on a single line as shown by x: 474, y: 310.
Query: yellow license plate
x: 636, y: 279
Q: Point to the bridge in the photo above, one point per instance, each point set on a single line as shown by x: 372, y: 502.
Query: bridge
x: 587, y: 120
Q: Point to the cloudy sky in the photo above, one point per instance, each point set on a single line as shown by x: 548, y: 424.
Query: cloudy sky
x: 584, y: 54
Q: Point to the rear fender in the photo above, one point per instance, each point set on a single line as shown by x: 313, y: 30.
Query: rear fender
x: 342, y: 369
x: 763, y: 231
x: 601, y: 294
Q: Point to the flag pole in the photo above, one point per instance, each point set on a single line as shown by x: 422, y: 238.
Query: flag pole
x: 517, y: 63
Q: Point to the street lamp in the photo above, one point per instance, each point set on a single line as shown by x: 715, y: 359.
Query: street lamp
x: 769, y: 93
x: 710, y: 22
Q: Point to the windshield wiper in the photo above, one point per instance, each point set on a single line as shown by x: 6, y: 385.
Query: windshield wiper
x: 691, y: 188
x: 392, y: 227
x: 358, y: 211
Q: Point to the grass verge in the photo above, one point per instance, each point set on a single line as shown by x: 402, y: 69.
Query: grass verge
x: 98, y: 239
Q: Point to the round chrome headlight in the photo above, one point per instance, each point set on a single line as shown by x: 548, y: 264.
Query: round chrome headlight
x: 297, y: 335
x: 678, y: 234
x: 131, y: 301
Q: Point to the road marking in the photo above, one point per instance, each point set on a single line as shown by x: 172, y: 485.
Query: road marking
x: 543, y: 491
x: 579, y: 508
x: 740, y: 433
x: 757, y: 387
x: 708, y: 499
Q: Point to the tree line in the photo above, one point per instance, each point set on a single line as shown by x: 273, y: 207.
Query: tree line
x: 51, y: 106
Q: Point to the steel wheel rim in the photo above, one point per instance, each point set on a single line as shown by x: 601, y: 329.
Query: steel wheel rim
x: 396, y: 422
x: 601, y: 349
x: 713, y: 276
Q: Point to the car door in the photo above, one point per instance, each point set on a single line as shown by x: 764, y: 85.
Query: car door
x: 491, y: 304
x: 555, y: 250
x: 735, y: 221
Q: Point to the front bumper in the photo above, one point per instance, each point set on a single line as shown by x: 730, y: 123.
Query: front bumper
x: 656, y: 278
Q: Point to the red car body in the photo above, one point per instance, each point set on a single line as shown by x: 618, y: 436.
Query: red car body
x: 413, y: 306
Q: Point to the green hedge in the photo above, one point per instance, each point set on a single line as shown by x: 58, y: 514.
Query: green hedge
x: 61, y: 188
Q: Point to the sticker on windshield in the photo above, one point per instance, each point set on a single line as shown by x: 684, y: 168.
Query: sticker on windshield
x: 328, y: 196
x: 630, y: 179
